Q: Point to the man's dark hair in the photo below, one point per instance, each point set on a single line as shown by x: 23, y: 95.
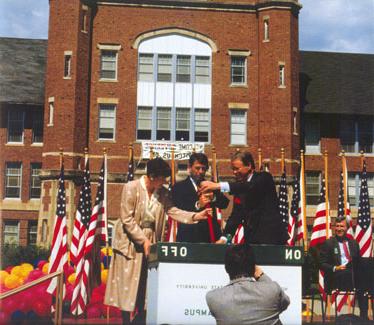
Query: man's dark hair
x: 158, y: 167
x: 199, y: 157
x: 240, y: 261
x: 245, y: 157
x: 339, y: 219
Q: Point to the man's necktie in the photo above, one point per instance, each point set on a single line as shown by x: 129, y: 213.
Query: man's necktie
x: 346, y: 250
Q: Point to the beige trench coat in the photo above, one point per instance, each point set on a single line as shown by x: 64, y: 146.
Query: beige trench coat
x: 126, y: 264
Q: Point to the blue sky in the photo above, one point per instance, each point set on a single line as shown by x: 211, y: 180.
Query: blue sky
x: 324, y: 25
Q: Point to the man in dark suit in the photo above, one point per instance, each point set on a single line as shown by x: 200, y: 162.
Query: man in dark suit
x: 340, y: 260
x: 255, y: 203
x: 185, y: 196
x: 251, y: 297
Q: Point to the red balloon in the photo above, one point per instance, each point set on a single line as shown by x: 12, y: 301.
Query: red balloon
x: 69, y: 270
x: 69, y: 292
x: 41, y: 308
x: 34, y: 274
x: 94, y: 311
x: 9, y: 268
x: 96, y: 298
x: 9, y: 305
x: 41, y: 264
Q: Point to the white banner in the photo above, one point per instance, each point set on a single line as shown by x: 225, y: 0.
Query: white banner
x: 182, y: 150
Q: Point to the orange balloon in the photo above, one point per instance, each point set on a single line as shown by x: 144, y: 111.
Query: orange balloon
x: 27, y: 266
x: 12, y: 281
x: 71, y: 278
x: 45, y: 268
x: 3, y: 276
x: 104, y: 276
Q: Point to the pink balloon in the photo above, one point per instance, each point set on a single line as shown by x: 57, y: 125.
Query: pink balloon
x: 9, y: 305
x: 94, y: 311
x: 96, y: 298
x: 69, y: 292
x: 41, y: 264
x: 34, y: 274
x: 4, y: 317
x: 9, y: 268
x: 69, y: 270
x: 41, y: 308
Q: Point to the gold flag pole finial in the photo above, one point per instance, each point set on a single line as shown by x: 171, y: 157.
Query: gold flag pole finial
x: 259, y: 151
x: 282, y: 160
x: 61, y: 156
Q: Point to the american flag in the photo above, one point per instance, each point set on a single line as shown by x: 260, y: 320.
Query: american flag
x: 59, y: 258
x: 364, y: 227
x: 78, y: 247
x: 283, y: 200
x: 319, y: 224
x: 343, y: 189
x: 295, y: 221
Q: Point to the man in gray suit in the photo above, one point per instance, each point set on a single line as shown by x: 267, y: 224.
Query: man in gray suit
x: 251, y: 297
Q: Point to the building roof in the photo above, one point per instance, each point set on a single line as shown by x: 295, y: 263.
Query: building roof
x: 337, y: 83
x: 22, y: 70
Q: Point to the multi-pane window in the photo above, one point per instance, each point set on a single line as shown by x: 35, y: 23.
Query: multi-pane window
x: 67, y: 65
x: 238, y: 70
x: 202, y: 125
x: 357, y: 135
x: 16, y: 120
x: 13, y: 179
x: 37, y: 127
x: 35, y: 182
x: 163, y: 123
x: 107, y: 121
x: 282, y: 80
x: 238, y: 127
x: 11, y: 232
x: 183, y: 68
x: 146, y: 67
x: 144, y: 130
x: 32, y: 232
x: 312, y: 135
x: 164, y: 68
x: 202, y: 64
x: 266, y: 29
x: 108, y: 64
x: 313, y: 183
x: 182, y: 127
x: 354, y: 183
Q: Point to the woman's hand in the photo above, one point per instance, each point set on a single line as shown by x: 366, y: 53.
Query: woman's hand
x: 147, y: 247
x: 202, y: 215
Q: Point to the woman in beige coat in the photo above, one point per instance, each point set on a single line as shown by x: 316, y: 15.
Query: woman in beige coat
x: 144, y: 205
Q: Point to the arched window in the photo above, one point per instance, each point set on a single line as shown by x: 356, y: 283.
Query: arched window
x: 174, y: 87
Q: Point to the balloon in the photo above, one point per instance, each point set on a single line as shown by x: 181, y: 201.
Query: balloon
x: 45, y: 268
x: 69, y: 292
x: 9, y: 268
x: 4, y: 317
x: 9, y: 305
x: 93, y: 311
x: 102, y: 266
x: 96, y: 297
x: 34, y: 274
x: 104, y: 276
x: 104, y: 251
x: 27, y: 266
x: 41, y: 264
x: 41, y: 308
x: 3, y: 276
x: 17, y: 270
x: 12, y: 281
x: 31, y: 315
x: 71, y: 278
x: 17, y: 316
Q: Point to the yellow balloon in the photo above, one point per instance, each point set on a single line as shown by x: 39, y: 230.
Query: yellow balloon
x: 3, y: 276
x: 45, y: 268
x: 71, y: 278
x: 104, y: 251
x: 102, y: 266
x: 17, y: 270
x: 104, y: 276
x: 27, y: 266
x: 12, y: 281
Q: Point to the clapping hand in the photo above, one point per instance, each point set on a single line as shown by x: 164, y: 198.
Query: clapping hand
x: 207, y: 186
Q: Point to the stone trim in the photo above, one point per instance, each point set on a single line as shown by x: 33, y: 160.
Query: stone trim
x: 243, y: 106
x: 180, y: 31
x: 113, y: 47
x: 103, y: 100
x: 239, y: 52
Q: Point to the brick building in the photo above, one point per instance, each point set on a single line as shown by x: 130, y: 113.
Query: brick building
x: 223, y: 73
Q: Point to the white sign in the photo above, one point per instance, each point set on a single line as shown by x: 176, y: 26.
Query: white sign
x: 182, y: 150
x: 176, y: 292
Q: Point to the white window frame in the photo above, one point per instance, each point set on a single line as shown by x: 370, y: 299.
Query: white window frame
x: 355, y: 178
x: 243, y: 54
x: 282, y: 75
x: 68, y: 55
x: 33, y: 177
x: 114, y: 118
x: 21, y: 121
x: 160, y: 119
x: 355, y: 130
x: 84, y: 28
x: 181, y: 65
x: 30, y: 231
x: 51, y: 108
x: 168, y: 56
x: 266, y: 29
x: 205, y: 78
x: 294, y: 120
x: 16, y: 233
x: 312, y: 122
x: 109, y: 48
x: 234, y: 132
x: 19, y: 175
x: 314, y: 196
x: 144, y: 64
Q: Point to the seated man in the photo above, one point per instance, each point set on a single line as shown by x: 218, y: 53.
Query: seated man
x: 340, y: 260
x: 251, y: 297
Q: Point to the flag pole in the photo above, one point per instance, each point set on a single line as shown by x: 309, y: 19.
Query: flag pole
x: 362, y: 159
x: 259, y: 158
x: 303, y: 200
x: 282, y: 160
x: 214, y: 164
x: 151, y: 154
x: 344, y: 169
x: 327, y: 196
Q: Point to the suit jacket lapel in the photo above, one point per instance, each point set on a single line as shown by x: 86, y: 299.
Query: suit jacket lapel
x: 338, y: 256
